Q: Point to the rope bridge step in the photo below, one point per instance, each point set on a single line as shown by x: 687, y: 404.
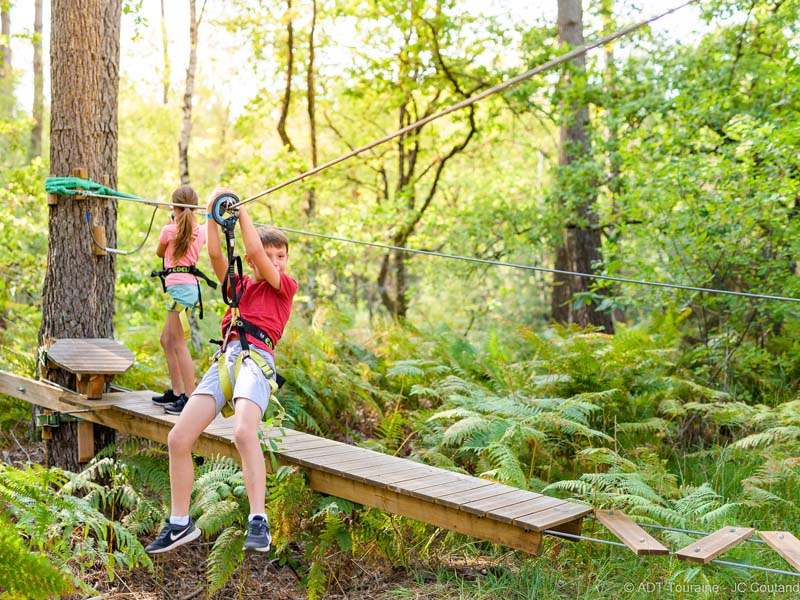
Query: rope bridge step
x: 633, y: 536
x: 710, y: 547
x: 785, y: 544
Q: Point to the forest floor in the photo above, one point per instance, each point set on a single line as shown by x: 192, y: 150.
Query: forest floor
x: 180, y: 575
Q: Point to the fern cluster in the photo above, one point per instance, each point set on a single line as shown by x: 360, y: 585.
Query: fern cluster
x: 71, y: 532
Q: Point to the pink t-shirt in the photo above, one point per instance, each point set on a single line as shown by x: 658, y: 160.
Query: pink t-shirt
x: 167, y: 237
x: 265, y: 307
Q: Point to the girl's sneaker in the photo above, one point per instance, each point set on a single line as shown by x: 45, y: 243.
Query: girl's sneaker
x: 165, y: 398
x: 175, y: 408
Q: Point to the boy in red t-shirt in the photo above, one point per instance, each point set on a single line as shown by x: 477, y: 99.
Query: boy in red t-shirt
x: 266, y: 304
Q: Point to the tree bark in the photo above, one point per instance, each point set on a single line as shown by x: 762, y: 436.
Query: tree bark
x: 287, y: 91
x: 186, y: 127
x: 579, y: 247
x: 35, y: 148
x: 78, y: 297
x: 311, y: 107
x: 164, y: 41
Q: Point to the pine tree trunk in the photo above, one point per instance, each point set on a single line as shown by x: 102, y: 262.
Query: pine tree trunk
x: 579, y: 250
x: 38, y: 84
x: 78, y: 297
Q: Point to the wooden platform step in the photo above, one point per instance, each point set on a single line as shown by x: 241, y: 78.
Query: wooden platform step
x: 785, y: 544
x: 633, y: 536
x: 710, y: 547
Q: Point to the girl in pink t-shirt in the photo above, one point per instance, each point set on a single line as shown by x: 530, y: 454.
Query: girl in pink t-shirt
x: 179, y: 245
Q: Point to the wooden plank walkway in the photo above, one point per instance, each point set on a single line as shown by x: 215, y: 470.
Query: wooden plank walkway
x: 490, y: 511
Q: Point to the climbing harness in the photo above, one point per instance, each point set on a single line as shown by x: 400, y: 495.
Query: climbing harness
x: 192, y: 270
x: 231, y: 295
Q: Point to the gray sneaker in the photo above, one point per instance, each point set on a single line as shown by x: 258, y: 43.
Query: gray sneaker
x: 258, y: 535
x: 172, y: 536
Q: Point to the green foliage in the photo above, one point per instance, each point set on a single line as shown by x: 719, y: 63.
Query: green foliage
x: 25, y: 573
x: 70, y: 531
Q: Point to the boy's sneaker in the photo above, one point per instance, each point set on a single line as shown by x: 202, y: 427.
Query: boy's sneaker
x: 175, y: 408
x: 172, y: 536
x: 258, y: 535
x: 165, y: 398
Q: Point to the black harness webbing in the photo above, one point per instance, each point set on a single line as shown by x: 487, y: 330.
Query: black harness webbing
x: 232, y: 294
x: 192, y: 270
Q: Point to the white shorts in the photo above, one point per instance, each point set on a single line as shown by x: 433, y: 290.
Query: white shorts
x: 251, y: 384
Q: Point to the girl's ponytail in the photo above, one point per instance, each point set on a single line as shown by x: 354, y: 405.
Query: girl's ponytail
x: 184, y: 219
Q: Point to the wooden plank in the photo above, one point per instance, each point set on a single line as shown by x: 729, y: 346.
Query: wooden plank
x: 465, y: 485
x: 36, y: 392
x: 411, y: 487
x: 315, y: 447
x: 459, y: 498
x: 85, y: 441
x: 440, y: 516
x: 534, y: 505
x: 482, y: 507
x: 554, y: 517
x: 629, y: 533
x: 711, y: 546
x: 341, y: 464
x: 377, y: 473
x: 329, y: 450
x: 90, y: 356
x: 386, y: 479
x: 785, y: 544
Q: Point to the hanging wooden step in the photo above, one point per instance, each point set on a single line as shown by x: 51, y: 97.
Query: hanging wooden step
x: 708, y: 548
x: 785, y: 544
x: 633, y: 536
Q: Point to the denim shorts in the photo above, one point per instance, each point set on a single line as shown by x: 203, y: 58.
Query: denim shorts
x: 251, y: 384
x: 185, y: 295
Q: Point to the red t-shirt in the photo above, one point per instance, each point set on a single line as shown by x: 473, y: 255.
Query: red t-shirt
x: 265, y: 307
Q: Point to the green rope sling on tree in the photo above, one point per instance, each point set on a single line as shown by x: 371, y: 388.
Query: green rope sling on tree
x: 67, y: 186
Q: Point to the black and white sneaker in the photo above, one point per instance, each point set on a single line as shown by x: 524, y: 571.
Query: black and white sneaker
x: 165, y: 398
x: 258, y: 535
x: 175, y: 408
x: 172, y: 536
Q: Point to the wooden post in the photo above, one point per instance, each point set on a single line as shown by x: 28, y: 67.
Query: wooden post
x: 99, y: 244
x: 85, y: 441
x: 83, y: 173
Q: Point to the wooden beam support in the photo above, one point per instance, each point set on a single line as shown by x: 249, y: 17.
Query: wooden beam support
x: 85, y: 441
x: 435, y: 514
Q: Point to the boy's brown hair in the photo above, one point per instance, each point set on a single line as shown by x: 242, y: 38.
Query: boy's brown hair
x: 274, y: 237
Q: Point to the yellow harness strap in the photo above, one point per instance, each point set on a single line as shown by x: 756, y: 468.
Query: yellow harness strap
x: 274, y: 408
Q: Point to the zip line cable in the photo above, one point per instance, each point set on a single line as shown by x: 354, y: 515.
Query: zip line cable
x: 472, y: 99
x: 102, y: 192
x: 499, y: 263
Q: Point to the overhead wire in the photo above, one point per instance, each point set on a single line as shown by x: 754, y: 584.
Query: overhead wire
x: 468, y: 101
x: 500, y: 263
x: 575, y: 52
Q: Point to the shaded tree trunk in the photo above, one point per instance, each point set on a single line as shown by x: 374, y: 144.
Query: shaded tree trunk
x: 78, y: 297
x: 186, y: 126
x: 35, y: 148
x: 580, y: 244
